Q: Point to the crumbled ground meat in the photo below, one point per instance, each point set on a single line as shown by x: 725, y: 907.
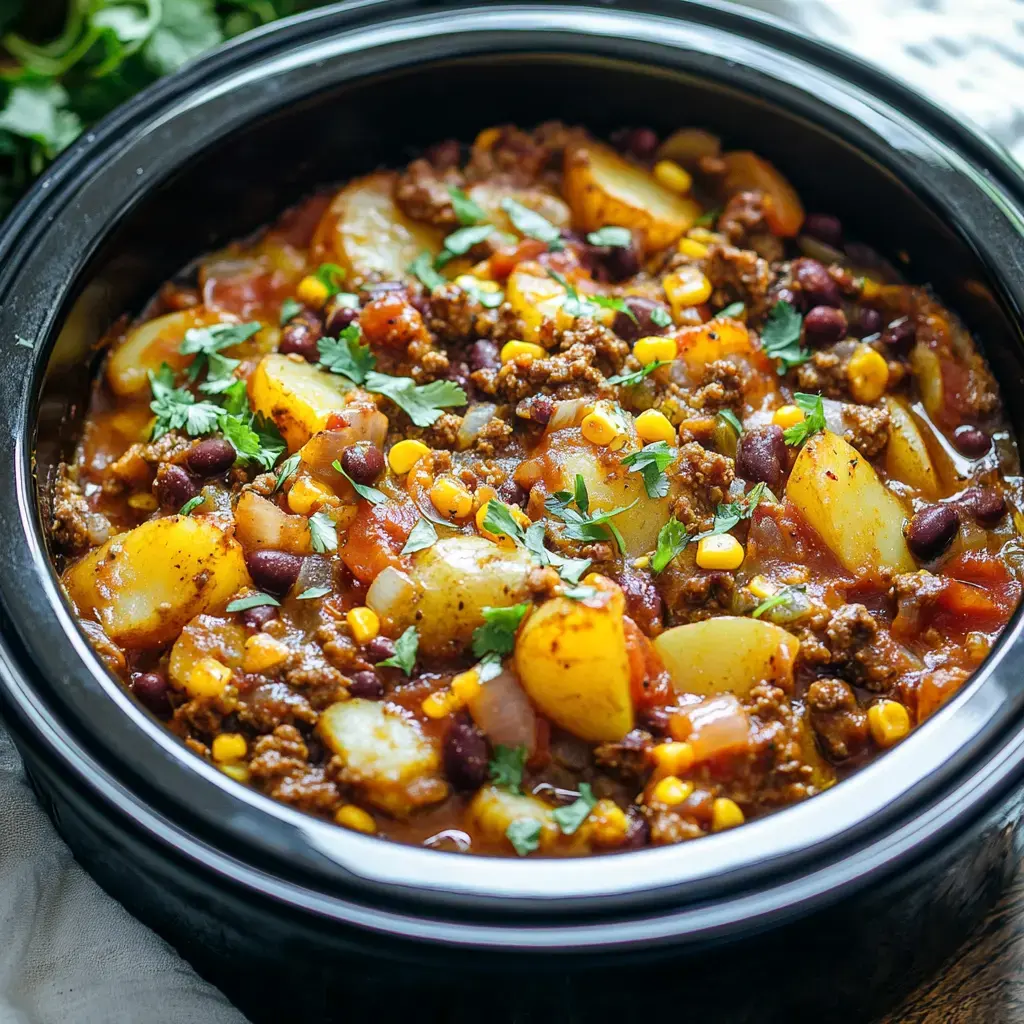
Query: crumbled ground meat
x: 628, y: 757
x: 444, y: 432
x: 852, y: 636
x: 280, y: 763
x: 825, y: 372
x: 705, y: 476
x: 867, y: 428
x: 669, y: 827
x: 743, y: 223
x: 322, y: 684
x: 737, y: 275
x: 514, y: 157
x: 721, y: 387
x: 76, y: 528
x: 841, y: 724
x: 915, y: 593
x: 568, y: 374
x: 272, y: 704
x: 137, y: 467
x: 421, y: 192
x: 453, y: 314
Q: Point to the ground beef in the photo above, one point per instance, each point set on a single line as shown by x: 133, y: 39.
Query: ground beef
x: 76, y: 528
x: 569, y: 374
x: 669, y: 827
x: 136, y: 468
x: 867, y: 428
x: 453, y: 314
x: 628, y: 757
x: 494, y: 438
x: 203, y: 715
x: 738, y: 275
x: 421, y: 192
x: 322, y: 684
x: 841, y: 724
x: 272, y: 704
x: 853, y: 637
x: 743, y: 223
x: 825, y: 372
x: 721, y: 387
x: 443, y: 433
x: 280, y: 763
x: 608, y: 347
x: 514, y: 157
x: 705, y: 477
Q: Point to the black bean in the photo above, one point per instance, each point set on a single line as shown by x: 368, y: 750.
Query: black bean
x: 868, y: 321
x: 151, y: 690
x: 986, y: 505
x: 643, y: 327
x: 300, y: 335
x: 338, y: 314
x: 816, y: 283
x: 932, y: 530
x: 825, y: 324
x: 617, y: 261
x: 900, y: 334
x: 971, y: 441
x: 174, y: 487
x: 273, y: 571
x: 483, y: 355
x: 378, y: 649
x: 824, y: 227
x: 761, y: 455
x: 363, y: 462
x: 365, y: 684
x: 466, y: 755
x: 258, y: 617
x: 211, y: 457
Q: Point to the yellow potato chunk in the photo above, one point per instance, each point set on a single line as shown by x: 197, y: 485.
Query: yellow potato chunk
x: 490, y: 195
x: 571, y: 659
x: 206, y: 636
x: 492, y: 810
x: 145, y: 585
x: 365, y: 232
x: 535, y: 297
x: 296, y: 395
x: 906, y: 456
x: 856, y: 515
x: 726, y: 654
x: 603, y: 188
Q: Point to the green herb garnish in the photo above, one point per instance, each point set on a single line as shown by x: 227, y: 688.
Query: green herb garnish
x: 423, y: 268
x: 780, y: 337
x: 205, y: 344
x: 422, y: 536
x: 532, y: 224
x: 312, y: 593
x: 569, y: 818
x: 290, y: 309
x: 254, y: 438
x: 672, y: 539
x: 734, y: 309
x: 177, y: 408
x: 458, y: 243
x: 708, y: 218
x: 467, y: 211
x: 323, y: 534
x: 729, y: 417
x: 347, y: 355
x: 421, y: 402
x: 731, y: 514
x: 191, y: 505
x: 371, y: 494
x: 287, y: 469
x: 506, y: 768
x: 330, y: 275
x: 524, y: 835
x: 406, y: 647
x: 651, y: 462
x: 580, y: 524
x: 617, y: 238
x: 629, y: 379
x: 661, y: 317
x: 783, y: 597
x: 813, y: 409
x: 497, y: 636
x: 241, y: 604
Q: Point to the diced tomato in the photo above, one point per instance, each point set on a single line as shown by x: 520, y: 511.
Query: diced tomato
x: 504, y: 261
x: 377, y: 535
x: 648, y: 680
x: 391, y: 321
x: 936, y: 688
x: 979, y: 594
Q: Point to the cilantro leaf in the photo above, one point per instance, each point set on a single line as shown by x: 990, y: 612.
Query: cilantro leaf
x: 406, y: 647
x: 371, y: 494
x: 619, y: 238
x: 506, y: 768
x: 290, y: 309
x: 786, y: 596
x: 330, y: 275
x: 780, y: 336
x: 459, y: 242
x: 672, y: 538
x: 524, y: 835
x: 177, y: 408
x: 241, y: 604
x: 467, y: 211
x: 422, y: 402
x: 255, y: 438
x: 574, y: 305
x: 629, y: 379
x: 708, y: 218
x: 323, y: 534
x: 38, y: 111
x: 730, y: 418
x: 661, y: 317
x: 613, y: 302
x: 651, y: 462
x: 423, y: 268
x: 498, y: 633
x: 311, y: 593
x: 580, y: 524
x: 422, y: 536
x: 192, y: 504
x: 205, y: 344
x: 569, y: 818
x: 498, y: 519
x: 287, y: 469
x: 733, y: 310
x: 729, y: 515
x: 347, y: 354
x: 580, y: 593
x: 487, y: 299
x: 813, y: 409
x: 531, y: 224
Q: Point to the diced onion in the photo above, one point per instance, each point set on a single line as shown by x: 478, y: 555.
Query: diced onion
x: 361, y: 424
x: 504, y: 712
x: 717, y: 726
x: 567, y: 413
x: 390, y: 592
x: 316, y: 571
x: 261, y: 524
x: 477, y: 417
x: 833, y: 415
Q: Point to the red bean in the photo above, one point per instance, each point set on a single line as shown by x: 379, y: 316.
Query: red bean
x: 174, y: 487
x: 211, y: 457
x: 363, y: 462
x: 378, y: 649
x: 300, y: 335
x: 643, y: 326
x: 816, y: 283
x: 466, y: 755
x: 338, y: 314
x: 483, y: 355
x: 825, y: 324
x: 971, y: 441
x: 824, y: 227
x: 986, y: 505
x: 761, y: 455
x: 867, y: 322
x: 273, y: 571
x: 536, y: 409
x: 151, y: 689
x: 366, y: 684
x: 643, y: 601
x: 256, y: 618
x: 617, y: 261
x: 932, y: 530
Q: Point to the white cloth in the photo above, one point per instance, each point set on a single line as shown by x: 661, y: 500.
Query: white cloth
x: 71, y: 955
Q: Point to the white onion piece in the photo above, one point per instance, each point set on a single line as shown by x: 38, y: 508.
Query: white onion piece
x: 316, y: 571
x: 504, y: 712
x: 477, y: 417
x: 566, y: 414
x: 833, y: 415
x: 361, y: 424
x: 720, y: 725
x: 389, y: 593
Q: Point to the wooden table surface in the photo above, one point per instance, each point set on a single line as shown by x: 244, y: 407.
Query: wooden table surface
x: 983, y: 982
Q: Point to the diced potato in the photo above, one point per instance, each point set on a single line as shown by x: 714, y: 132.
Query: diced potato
x: 145, y: 585
x: 603, y: 188
x: 857, y: 516
x: 717, y: 339
x: 535, y: 296
x: 385, y: 754
x: 206, y: 636
x: 927, y: 367
x: 259, y: 523
x: 571, y: 659
x: 296, y: 395
x: 365, y: 232
x: 748, y: 172
x: 726, y: 654
x: 492, y: 810
x: 454, y: 580
x: 906, y: 457
x: 490, y: 195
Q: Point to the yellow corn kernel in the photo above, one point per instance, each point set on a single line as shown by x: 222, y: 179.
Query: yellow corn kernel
x: 450, y: 498
x: 702, y: 234
x: 355, y: 818
x: 672, y: 176
x: 229, y: 746
x: 404, y: 455
x: 692, y: 248
x: 652, y: 425
x: 723, y: 551
x: 671, y: 791
x: 761, y: 588
x: 788, y: 416
x: 672, y: 758
x: 143, y: 502
x: 725, y: 813
x: 238, y: 772
x: 870, y: 288
x: 208, y: 678
x: 481, y: 514
x: 868, y: 374
x: 651, y: 350
x: 685, y: 288
x: 307, y: 495
x: 889, y: 722
x: 607, y: 824
x: 465, y: 686
x: 263, y: 653
x: 439, y: 704
x: 471, y: 282
x: 642, y: 562
x: 521, y: 350
x: 364, y: 623
x: 605, y: 425
x: 313, y: 292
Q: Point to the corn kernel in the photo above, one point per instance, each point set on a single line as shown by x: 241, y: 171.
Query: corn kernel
x: 263, y: 653
x: 466, y: 686
x: 870, y: 288
x: 238, y: 772
x: 650, y: 350
x: 208, y: 678
x: 471, y: 281
x: 642, y: 562
x: 521, y: 350
x: 364, y: 623
x: 692, y: 248
x: 404, y: 455
x: 725, y: 813
x: 685, y: 288
x: 672, y: 758
x: 313, y: 292
x: 672, y: 176
x: 652, y: 425
x: 307, y: 495
x: 607, y: 824
x: 143, y: 502
x: 481, y: 514
x: 439, y: 704
x: 355, y: 818
x: 889, y: 722
x: 450, y: 498
x: 761, y: 587
x: 703, y: 234
x: 788, y: 416
x: 229, y: 746
x: 723, y: 551
x: 671, y: 791
x: 868, y: 374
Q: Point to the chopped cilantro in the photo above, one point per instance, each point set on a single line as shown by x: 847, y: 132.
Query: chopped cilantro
x: 729, y: 515
x: 580, y: 593
x: 498, y: 519
x: 287, y: 469
x: 533, y: 225
x: 672, y: 538
x: 651, y: 462
x: 661, y: 317
x: 813, y: 409
x: 177, y: 408
x: 459, y: 242
x: 780, y: 337
x: 330, y: 275
x: 629, y: 379
x: 612, y: 302
x: 191, y: 505
x: 524, y: 835
x: 498, y: 633
x: 404, y: 657
x: 347, y: 354
x: 241, y: 604
x: 312, y: 593
x: 733, y: 310
x: 727, y: 416
x: 290, y: 309
x: 569, y: 818
x: 506, y: 768
x: 487, y: 299
x: 467, y: 211
x: 618, y: 238
x: 323, y: 534
x: 708, y: 218
x: 254, y: 438
x: 423, y: 268
x: 371, y: 494
x: 205, y: 344
x: 580, y: 524
x: 422, y: 536
x: 574, y: 305
x: 422, y: 402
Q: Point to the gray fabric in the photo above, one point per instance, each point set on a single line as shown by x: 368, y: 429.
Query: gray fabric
x: 68, y: 953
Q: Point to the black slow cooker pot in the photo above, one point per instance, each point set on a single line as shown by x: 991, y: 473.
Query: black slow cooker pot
x: 832, y: 907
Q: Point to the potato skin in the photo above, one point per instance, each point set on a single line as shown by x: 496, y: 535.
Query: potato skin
x: 145, y: 585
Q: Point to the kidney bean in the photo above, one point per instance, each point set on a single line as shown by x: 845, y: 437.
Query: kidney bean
x: 643, y: 601
x: 825, y: 324
x: 151, y: 689
x: 644, y: 326
x: 174, y: 487
x: 512, y: 494
x: 637, y: 142
x: 617, y: 261
x: 638, y: 832
x: 900, y: 334
x: 211, y: 457
x: 761, y: 455
x: 256, y: 618
x: 466, y: 755
x: 300, y: 335
x: 867, y: 322
x: 338, y: 315
x: 536, y: 409
x: 816, y: 283
x: 458, y: 372
x: 971, y: 441
x: 824, y: 227
x: 483, y: 355
x: 986, y: 505
x: 365, y: 684
x: 378, y: 649
x: 932, y: 530
x: 795, y: 299
x: 273, y: 571
x: 363, y: 462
